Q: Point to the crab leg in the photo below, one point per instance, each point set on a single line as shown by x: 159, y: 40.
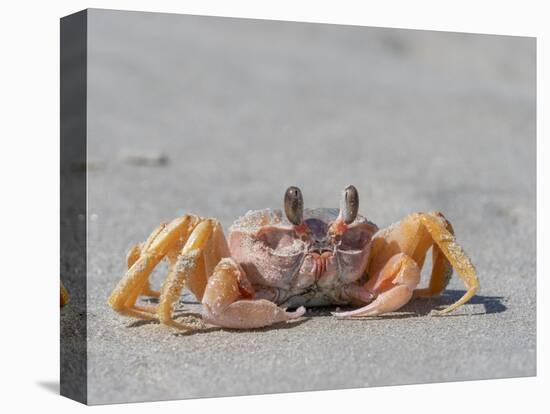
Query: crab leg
x: 187, y: 265
x: 441, y: 267
x: 136, y: 251
x: 64, y: 295
x: 133, y: 255
x: 123, y: 297
x: 447, y: 246
x: 228, y: 301
x: 405, y: 244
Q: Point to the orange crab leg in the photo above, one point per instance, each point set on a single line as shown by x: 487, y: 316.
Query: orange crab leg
x: 123, y: 297
x: 133, y: 255
x: 64, y: 296
x: 454, y: 253
x: 398, y: 254
x: 190, y: 268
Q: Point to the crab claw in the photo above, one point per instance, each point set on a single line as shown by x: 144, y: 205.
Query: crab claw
x: 393, y: 287
x: 299, y: 312
x: 249, y: 314
x: 226, y: 304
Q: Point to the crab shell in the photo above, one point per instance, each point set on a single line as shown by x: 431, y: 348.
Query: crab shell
x: 295, y: 268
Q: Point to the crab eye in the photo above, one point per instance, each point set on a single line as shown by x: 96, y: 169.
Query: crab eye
x: 294, y: 205
x: 349, y: 205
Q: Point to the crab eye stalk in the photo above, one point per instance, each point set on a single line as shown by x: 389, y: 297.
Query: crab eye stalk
x: 294, y: 205
x: 349, y: 205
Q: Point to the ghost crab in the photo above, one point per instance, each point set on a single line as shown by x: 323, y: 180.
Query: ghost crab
x: 304, y: 257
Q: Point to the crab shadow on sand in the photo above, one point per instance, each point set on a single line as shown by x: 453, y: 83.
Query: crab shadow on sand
x: 209, y: 328
x: 425, y: 306
x: 417, y: 307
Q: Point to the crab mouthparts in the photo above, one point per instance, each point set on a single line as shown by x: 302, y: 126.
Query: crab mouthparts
x: 317, y: 249
x: 320, y: 262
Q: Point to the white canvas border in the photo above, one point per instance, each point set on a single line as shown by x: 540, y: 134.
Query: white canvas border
x: 29, y: 219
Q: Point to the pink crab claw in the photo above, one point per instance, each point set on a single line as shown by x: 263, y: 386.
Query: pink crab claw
x: 391, y: 288
x: 249, y: 314
x: 298, y: 313
x: 386, y: 302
